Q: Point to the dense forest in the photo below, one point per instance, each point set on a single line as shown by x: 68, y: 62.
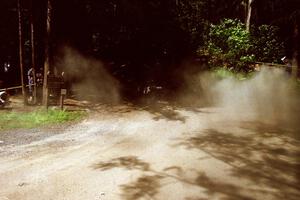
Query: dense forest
x: 150, y: 41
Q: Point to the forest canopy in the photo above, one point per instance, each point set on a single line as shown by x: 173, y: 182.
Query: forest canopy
x: 154, y: 38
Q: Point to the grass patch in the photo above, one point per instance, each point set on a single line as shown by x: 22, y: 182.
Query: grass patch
x: 13, y: 120
x: 226, y: 73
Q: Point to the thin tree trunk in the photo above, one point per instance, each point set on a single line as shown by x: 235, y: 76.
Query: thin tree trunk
x: 248, y: 19
x: 33, y: 52
x: 21, y: 52
x: 47, y: 54
x: 295, y: 63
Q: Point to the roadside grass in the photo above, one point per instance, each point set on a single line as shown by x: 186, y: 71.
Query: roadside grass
x: 32, y: 119
x: 221, y: 72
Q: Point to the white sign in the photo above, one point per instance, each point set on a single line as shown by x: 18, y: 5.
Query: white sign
x: 63, y: 91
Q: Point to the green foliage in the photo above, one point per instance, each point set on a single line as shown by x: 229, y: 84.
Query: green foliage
x: 266, y: 45
x: 228, y: 45
x: 227, y: 73
x: 10, y: 120
x: 189, y: 15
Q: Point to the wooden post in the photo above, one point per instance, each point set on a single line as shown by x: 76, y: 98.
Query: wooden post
x: 21, y: 52
x: 33, y: 52
x: 47, y: 55
x: 63, y: 93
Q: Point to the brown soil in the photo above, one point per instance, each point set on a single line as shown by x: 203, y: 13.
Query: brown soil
x: 125, y: 152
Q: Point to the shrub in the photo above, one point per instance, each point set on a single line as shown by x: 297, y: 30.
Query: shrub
x: 266, y: 44
x: 229, y: 45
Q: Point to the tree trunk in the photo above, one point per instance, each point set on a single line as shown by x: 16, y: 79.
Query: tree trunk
x: 47, y: 54
x: 295, y: 63
x: 248, y: 19
x: 21, y: 52
x: 33, y: 52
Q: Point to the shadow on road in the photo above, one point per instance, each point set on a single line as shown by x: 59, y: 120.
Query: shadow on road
x: 167, y: 114
x: 149, y: 185
x: 170, y: 112
x: 129, y: 163
x: 145, y: 186
x: 268, y: 158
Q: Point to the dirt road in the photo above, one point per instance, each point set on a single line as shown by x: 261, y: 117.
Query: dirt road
x: 165, y: 153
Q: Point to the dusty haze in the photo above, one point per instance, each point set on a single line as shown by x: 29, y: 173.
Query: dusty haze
x: 269, y: 96
x: 90, y: 80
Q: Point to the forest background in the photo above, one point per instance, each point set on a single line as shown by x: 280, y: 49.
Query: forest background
x: 151, y: 42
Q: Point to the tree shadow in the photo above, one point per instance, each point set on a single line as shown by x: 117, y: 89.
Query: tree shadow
x: 290, y: 133
x: 170, y: 115
x: 128, y: 162
x: 228, y: 191
x: 267, y: 158
x: 165, y: 112
x: 145, y: 187
x: 148, y: 185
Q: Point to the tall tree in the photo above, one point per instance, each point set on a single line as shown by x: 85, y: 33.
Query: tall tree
x: 47, y: 53
x: 21, y: 51
x: 295, y: 70
x: 249, y: 12
x: 33, y: 51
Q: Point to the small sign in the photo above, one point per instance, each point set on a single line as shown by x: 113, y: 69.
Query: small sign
x: 63, y: 91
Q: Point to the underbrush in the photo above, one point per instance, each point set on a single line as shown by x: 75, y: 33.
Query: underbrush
x: 13, y: 120
x: 227, y: 73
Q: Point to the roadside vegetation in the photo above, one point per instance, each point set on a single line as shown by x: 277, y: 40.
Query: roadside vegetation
x: 230, y: 45
x: 144, y: 45
x: 15, y: 120
x: 222, y: 72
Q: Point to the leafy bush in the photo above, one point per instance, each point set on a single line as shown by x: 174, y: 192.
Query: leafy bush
x: 266, y: 44
x: 229, y: 45
x: 222, y: 73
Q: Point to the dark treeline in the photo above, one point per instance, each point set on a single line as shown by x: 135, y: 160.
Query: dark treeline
x: 152, y: 39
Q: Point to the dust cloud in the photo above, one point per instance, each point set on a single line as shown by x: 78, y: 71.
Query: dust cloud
x: 270, y: 96
x: 88, y: 77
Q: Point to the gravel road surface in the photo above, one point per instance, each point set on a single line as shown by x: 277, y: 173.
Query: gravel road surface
x: 164, y: 153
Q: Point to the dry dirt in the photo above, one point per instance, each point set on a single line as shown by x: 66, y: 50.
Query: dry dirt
x: 165, y: 152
